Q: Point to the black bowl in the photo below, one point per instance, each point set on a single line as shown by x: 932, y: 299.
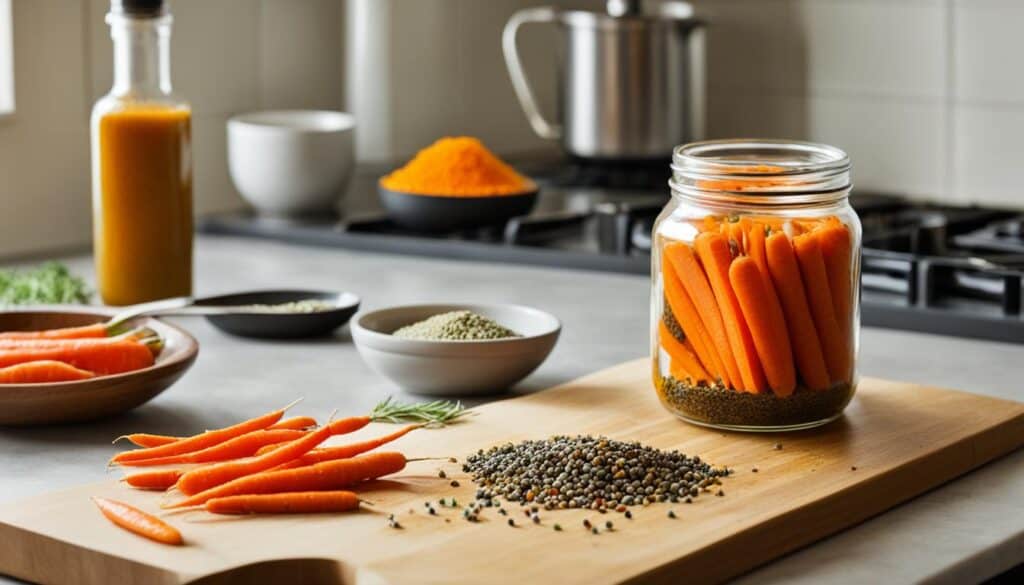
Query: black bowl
x: 282, y: 325
x: 433, y: 213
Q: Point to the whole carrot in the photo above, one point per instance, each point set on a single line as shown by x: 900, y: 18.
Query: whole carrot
x: 815, y: 277
x: 148, y: 440
x: 782, y: 265
x: 695, y: 281
x: 84, y: 331
x: 716, y: 257
x: 41, y: 372
x: 134, y: 520
x: 154, y: 480
x: 210, y: 476
x: 329, y: 475
x: 286, y: 503
x: 204, y: 440
x: 101, y: 359
x: 763, y: 315
x: 688, y: 316
x: 240, y: 446
x: 347, y: 451
x: 297, y: 423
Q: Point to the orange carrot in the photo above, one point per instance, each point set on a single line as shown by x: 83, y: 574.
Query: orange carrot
x: 134, y: 520
x: 815, y: 277
x: 695, y: 282
x: 688, y: 316
x: 285, y: 503
x: 99, y: 358
x: 680, y: 354
x: 84, y: 331
x: 755, y: 249
x: 240, y: 446
x: 329, y: 475
x: 788, y: 283
x: 203, y: 440
x: 148, y: 440
x: 41, y: 372
x: 298, y: 423
x: 347, y: 451
x: 837, y: 251
x: 735, y: 238
x: 268, y: 448
x: 714, y: 254
x: 210, y: 476
x: 763, y: 315
x: 154, y: 480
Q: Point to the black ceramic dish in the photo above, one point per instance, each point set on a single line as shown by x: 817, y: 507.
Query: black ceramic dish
x: 281, y: 325
x: 432, y: 213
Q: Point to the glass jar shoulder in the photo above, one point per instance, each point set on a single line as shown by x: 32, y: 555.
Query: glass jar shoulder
x: 113, y: 103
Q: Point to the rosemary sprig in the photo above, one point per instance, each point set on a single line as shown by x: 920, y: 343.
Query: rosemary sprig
x: 432, y: 414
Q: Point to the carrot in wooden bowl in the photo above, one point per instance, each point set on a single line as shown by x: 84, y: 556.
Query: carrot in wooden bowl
x: 84, y: 331
x: 100, y: 358
x: 42, y: 371
x: 134, y: 520
x: 285, y: 503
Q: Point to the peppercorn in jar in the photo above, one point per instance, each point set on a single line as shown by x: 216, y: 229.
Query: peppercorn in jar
x: 755, y: 296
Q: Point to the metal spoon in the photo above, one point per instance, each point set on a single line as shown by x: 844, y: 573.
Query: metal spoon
x: 247, y: 313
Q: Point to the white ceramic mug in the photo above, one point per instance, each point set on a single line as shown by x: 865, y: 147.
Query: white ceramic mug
x: 290, y: 163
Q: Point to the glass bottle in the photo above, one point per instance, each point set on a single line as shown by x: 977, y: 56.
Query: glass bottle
x: 755, y: 298
x: 141, y: 165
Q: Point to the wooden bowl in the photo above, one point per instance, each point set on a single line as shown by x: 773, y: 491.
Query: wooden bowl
x: 60, y: 402
x: 436, y: 213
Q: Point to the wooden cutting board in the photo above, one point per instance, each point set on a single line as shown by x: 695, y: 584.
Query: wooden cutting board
x: 895, y: 441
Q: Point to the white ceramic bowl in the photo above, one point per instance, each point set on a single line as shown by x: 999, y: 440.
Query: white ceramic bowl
x: 455, y: 368
x: 291, y: 163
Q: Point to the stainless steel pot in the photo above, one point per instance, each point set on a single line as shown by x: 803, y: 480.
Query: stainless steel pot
x: 632, y: 83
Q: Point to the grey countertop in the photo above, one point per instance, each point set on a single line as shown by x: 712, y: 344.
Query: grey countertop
x: 965, y: 531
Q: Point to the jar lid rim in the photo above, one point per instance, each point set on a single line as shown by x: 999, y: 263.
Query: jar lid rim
x: 746, y: 157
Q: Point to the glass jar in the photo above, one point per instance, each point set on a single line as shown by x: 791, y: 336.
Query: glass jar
x: 756, y: 280
x: 141, y: 165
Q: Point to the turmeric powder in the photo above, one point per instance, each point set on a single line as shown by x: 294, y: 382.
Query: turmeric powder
x: 457, y: 167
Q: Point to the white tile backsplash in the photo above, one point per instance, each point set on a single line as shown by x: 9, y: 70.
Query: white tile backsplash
x: 988, y: 51
x: 988, y: 153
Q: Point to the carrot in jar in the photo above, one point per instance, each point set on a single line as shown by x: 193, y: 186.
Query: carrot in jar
x: 680, y: 354
x: 763, y: 315
x: 837, y: 251
x: 815, y: 277
x: 688, y: 317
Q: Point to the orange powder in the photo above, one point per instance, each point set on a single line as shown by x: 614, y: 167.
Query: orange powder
x: 457, y: 167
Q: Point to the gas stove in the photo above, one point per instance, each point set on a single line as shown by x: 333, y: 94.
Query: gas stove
x: 925, y: 267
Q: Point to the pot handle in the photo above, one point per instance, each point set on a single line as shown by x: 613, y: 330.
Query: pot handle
x: 520, y: 84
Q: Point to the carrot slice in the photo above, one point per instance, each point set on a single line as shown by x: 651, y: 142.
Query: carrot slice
x: 763, y: 315
x: 85, y: 331
x: 285, y: 503
x: 815, y: 277
x: 134, y: 520
x: 714, y: 254
x: 695, y: 282
x: 681, y: 354
x: 837, y: 250
x: 41, y: 372
x: 685, y: 311
x: 789, y: 285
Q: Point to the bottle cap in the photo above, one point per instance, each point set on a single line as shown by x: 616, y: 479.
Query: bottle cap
x: 143, y: 8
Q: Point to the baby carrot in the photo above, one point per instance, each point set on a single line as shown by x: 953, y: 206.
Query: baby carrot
x: 134, y: 520
x: 41, y: 372
x: 298, y: 423
x: 804, y: 336
x: 695, y: 281
x: 346, y: 451
x: 210, y: 476
x: 84, y: 331
x: 836, y: 249
x: 100, y: 358
x: 285, y: 503
x: 329, y: 475
x: 204, y: 440
x: 148, y: 440
x: 755, y: 248
x: 240, y: 446
x: 680, y: 354
x: 815, y: 277
x: 154, y: 480
x: 763, y: 315
x: 715, y: 255
x: 685, y: 311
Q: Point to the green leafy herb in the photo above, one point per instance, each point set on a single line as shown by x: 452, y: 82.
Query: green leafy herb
x: 49, y: 283
x: 436, y: 413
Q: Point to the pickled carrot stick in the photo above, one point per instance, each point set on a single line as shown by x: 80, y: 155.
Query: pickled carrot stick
x: 688, y: 317
x: 837, y: 250
x: 695, y: 282
x: 756, y: 236
x: 815, y: 278
x: 767, y: 326
x: 680, y: 354
x: 714, y: 254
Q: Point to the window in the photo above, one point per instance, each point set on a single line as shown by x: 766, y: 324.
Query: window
x: 6, y: 59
